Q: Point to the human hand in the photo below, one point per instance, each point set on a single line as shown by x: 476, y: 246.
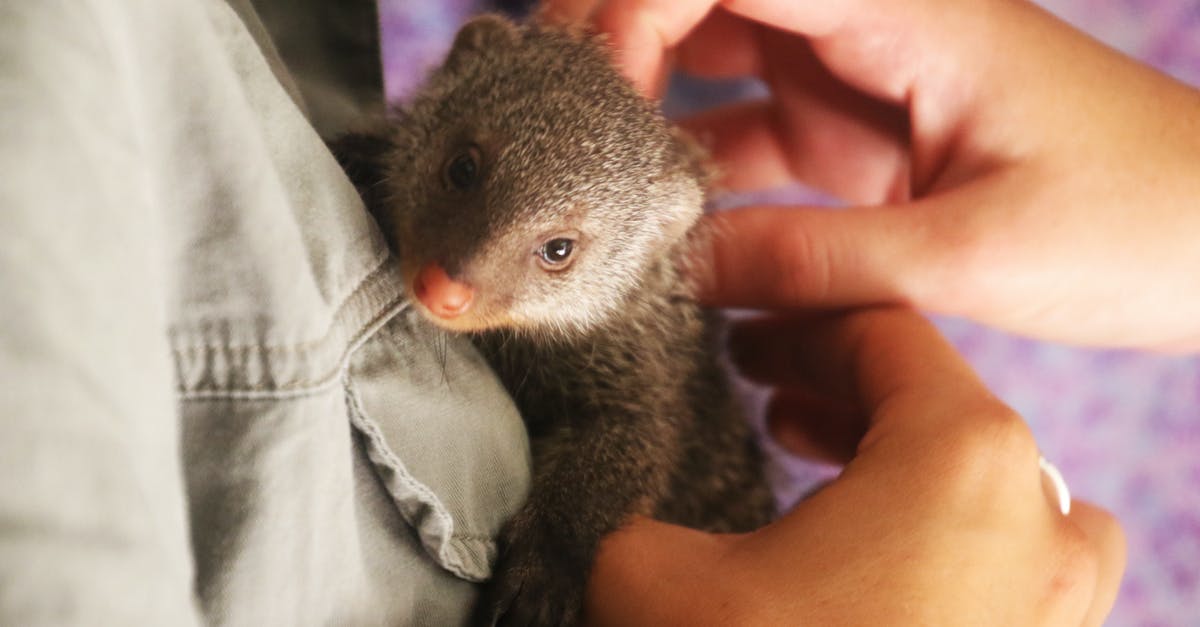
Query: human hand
x: 1013, y: 170
x: 939, y: 516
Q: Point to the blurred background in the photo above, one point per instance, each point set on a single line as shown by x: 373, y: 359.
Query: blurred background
x: 1124, y: 427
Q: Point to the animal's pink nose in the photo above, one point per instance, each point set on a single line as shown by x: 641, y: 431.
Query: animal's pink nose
x: 442, y: 295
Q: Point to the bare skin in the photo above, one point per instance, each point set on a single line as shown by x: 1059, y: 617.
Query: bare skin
x: 1009, y: 169
x: 939, y: 517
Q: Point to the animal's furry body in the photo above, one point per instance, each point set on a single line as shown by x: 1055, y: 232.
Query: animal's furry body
x: 610, y: 360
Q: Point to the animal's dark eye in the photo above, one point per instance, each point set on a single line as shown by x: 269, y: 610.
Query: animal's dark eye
x: 556, y: 252
x: 462, y: 170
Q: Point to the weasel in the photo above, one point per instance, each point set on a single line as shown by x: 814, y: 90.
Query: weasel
x: 538, y: 203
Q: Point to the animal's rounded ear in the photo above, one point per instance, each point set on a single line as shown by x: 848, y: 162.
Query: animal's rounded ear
x: 481, y: 34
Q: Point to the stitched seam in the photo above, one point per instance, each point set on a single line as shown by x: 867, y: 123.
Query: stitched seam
x: 380, y: 266
x: 393, y: 308
x: 368, y: 428
x: 475, y: 537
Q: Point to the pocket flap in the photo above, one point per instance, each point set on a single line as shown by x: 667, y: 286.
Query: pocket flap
x: 444, y: 437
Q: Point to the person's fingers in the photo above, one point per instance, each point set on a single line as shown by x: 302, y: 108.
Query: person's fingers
x: 812, y: 412
x: 815, y: 128
x: 814, y: 426
x: 644, y: 31
x: 722, y: 45
x: 855, y: 152
x: 789, y: 257
x: 1107, y: 542
x: 566, y: 11
x: 951, y: 252
x: 868, y: 357
x: 778, y: 351
x: 883, y: 381
x: 885, y: 43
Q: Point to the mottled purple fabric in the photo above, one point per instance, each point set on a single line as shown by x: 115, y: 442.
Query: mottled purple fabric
x: 416, y: 35
x: 1124, y: 427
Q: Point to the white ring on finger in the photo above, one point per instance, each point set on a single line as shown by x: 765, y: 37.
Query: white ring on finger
x: 1057, y: 485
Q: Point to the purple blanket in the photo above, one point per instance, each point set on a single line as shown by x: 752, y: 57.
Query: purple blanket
x: 1123, y: 427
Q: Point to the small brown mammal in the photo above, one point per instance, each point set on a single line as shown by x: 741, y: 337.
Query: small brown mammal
x: 540, y: 204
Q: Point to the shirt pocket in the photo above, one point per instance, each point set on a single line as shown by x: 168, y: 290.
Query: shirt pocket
x: 444, y: 438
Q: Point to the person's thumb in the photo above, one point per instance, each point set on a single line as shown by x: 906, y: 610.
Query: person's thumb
x: 792, y: 257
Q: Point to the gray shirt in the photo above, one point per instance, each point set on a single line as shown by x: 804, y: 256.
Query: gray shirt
x: 215, y: 403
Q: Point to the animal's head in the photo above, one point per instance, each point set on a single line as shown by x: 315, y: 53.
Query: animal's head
x: 530, y: 186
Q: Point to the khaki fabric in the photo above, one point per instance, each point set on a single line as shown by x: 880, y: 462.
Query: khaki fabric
x: 216, y: 406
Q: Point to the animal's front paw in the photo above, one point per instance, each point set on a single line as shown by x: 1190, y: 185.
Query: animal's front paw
x: 535, y: 584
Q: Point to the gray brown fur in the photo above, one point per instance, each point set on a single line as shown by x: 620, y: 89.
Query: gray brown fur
x: 611, y: 362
